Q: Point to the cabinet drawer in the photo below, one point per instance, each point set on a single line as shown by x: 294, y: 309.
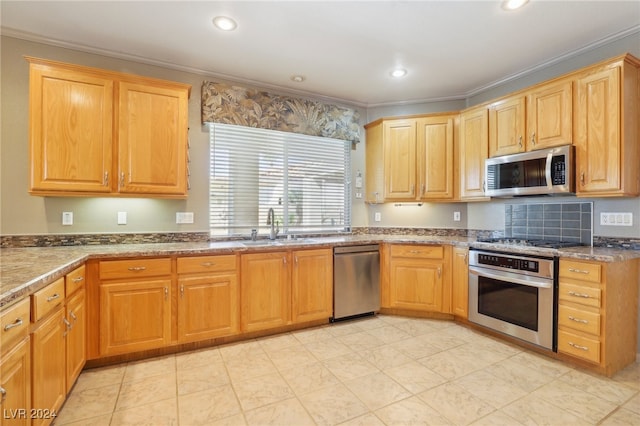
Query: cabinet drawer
x: 189, y: 265
x: 423, y: 252
x: 74, y: 281
x: 589, y: 296
x: 578, y: 319
x: 45, y: 300
x: 578, y: 346
x: 111, y: 269
x: 14, y: 323
x: 580, y: 271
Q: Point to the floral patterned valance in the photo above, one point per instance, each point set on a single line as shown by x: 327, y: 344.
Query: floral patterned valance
x: 224, y: 103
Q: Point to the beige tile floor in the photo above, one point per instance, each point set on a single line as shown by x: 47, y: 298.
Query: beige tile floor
x: 381, y: 370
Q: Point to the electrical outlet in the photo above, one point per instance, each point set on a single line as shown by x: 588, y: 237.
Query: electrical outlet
x: 616, y: 219
x: 184, y: 217
x: 122, y: 218
x: 67, y: 218
x: 456, y: 216
x: 377, y: 216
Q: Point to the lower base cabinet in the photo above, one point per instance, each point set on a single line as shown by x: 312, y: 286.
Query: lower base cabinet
x: 460, y: 282
x: 15, y: 381
x: 76, y: 348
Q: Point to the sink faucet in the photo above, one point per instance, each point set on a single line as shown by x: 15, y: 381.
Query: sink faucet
x: 273, y: 233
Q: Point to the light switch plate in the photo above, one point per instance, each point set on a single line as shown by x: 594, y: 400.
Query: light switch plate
x: 184, y: 217
x: 122, y: 218
x: 377, y: 216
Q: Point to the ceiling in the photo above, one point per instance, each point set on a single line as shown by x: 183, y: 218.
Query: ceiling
x: 345, y: 50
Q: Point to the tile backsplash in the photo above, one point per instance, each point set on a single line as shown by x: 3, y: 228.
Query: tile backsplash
x: 550, y: 221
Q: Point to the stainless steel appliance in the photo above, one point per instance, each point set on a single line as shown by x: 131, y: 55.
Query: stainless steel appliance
x: 542, y: 172
x: 356, y: 280
x: 514, y: 294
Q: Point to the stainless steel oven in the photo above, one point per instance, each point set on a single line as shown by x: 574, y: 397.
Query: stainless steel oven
x: 514, y: 294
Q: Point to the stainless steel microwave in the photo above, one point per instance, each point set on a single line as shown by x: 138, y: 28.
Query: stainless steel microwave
x: 542, y: 172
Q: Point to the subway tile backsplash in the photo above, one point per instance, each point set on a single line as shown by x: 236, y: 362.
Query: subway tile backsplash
x: 550, y: 221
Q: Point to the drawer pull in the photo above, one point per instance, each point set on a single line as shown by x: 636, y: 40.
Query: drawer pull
x: 583, y: 321
x: 53, y: 297
x: 73, y: 316
x: 207, y: 264
x: 77, y: 279
x: 578, y: 271
x: 137, y: 268
x: 67, y: 323
x: 415, y: 251
x: 583, y: 295
x: 582, y: 348
x: 17, y: 323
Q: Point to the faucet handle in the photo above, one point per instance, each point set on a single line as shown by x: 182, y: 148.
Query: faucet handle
x: 254, y: 234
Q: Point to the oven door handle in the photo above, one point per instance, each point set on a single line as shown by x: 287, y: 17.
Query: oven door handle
x: 509, y: 277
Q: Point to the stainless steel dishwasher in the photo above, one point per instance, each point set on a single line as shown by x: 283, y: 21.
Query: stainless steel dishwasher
x: 356, y: 280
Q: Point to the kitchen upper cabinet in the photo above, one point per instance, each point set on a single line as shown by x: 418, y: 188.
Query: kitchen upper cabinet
x: 474, y: 150
x: 507, y: 122
x: 608, y: 135
x: 209, y: 300
x: 312, y: 285
x: 265, y: 296
x: 135, y: 305
x: 410, y: 159
x: 550, y: 115
x: 435, y: 136
x: 97, y: 132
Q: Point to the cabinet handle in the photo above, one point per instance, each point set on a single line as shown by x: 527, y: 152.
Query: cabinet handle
x: 484, y: 186
x: 582, y: 321
x: 439, y: 272
x: 578, y: 271
x: 73, y: 316
x: 520, y: 141
x: 466, y: 260
x: 582, y: 348
x: 3, y: 394
x: 106, y: 178
x: 137, y: 268
x: 207, y: 264
x: 53, y: 297
x: 413, y: 187
x: 166, y: 293
x: 295, y: 259
x: 284, y: 260
x: 67, y: 323
x: 582, y: 178
x: 17, y: 323
x: 423, y: 189
x: 122, y: 180
x: 182, y: 291
x: 77, y: 279
x: 533, y: 138
x: 583, y: 295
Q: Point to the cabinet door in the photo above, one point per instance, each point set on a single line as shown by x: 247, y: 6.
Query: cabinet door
x: 435, y: 157
x: 70, y: 116
x: 48, y: 372
x: 416, y: 284
x: 152, y: 139
x: 598, y: 149
x: 550, y: 116
x: 474, y: 150
x: 312, y: 285
x: 134, y: 316
x: 15, y: 380
x: 207, y: 306
x: 265, y: 297
x: 400, y: 159
x: 76, y: 342
x: 506, y: 126
x: 460, y: 286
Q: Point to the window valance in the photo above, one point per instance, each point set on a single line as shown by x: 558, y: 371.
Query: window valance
x: 231, y: 104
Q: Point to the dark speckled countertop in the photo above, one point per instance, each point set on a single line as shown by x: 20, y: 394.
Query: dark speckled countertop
x: 26, y: 270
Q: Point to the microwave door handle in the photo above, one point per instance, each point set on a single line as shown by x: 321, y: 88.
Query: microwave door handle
x: 507, y: 277
x: 547, y: 170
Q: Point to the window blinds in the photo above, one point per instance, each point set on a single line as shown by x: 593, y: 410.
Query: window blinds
x: 303, y: 178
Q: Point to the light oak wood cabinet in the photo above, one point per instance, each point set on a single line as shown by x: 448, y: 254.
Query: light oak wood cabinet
x: 135, y: 305
x: 76, y: 344
x: 474, y: 150
x: 265, y: 296
x: 97, y: 132
x: 15, y: 365
x: 209, y: 301
x: 597, y: 312
x: 312, y: 285
x: 460, y: 282
x: 507, y: 121
x: 419, y: 278
x: 608, y: 133
x: 410, y: 159
x: 550, y: 115
x: 285, y: 287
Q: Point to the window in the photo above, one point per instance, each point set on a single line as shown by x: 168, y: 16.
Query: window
x: 302, y: 178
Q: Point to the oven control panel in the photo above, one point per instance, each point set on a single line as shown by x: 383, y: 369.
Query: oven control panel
x: 529, y: 265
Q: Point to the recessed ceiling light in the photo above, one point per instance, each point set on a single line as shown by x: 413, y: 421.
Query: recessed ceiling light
x: 297, y: 78
x: 398, y: 72
x: 513, y: 4
x: 224, y: 23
